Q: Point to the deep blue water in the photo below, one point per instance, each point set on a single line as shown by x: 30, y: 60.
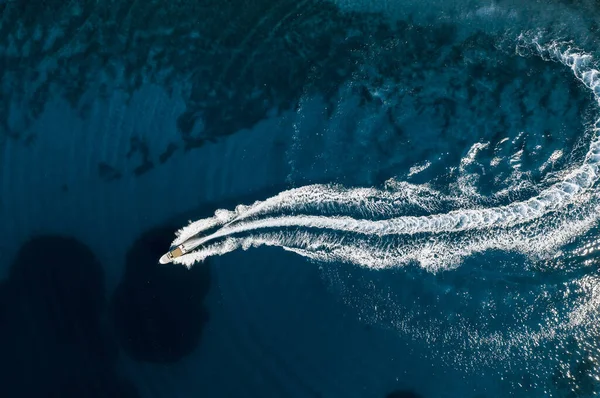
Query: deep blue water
x: 427, y: 178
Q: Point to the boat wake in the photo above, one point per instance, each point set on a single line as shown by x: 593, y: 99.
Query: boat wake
x: 374, y: 227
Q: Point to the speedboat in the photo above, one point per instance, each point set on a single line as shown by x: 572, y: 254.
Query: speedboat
x: 183, y: 248
x: 173, y: 253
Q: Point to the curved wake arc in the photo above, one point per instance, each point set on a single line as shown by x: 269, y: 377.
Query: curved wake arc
x: 278, y: 221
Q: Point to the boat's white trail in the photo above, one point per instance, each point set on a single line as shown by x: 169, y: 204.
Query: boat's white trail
x: 193, y: 228
x: 444, y: 251
x: 327, y: 199
x: 369, y: 227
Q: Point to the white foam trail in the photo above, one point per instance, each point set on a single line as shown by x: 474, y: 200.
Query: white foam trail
x: 443, y: 253
x: 318, y: 236
x: 368, y: 202
x: 221, y: 217
x: 433, y: 254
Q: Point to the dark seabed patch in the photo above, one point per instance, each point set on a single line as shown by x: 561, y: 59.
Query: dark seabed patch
x: 243, y: 61
x: 139, y: 146
x: 168, y: 152
x: 158, y: 309
x: 108, y: 172
x: 237, y: 63
x: 53, y: 340
x: 403, y: 394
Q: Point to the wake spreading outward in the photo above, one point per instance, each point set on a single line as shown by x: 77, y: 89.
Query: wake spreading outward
x: 371, y: 227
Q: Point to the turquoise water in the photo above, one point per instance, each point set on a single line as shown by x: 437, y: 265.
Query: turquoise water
x: 427, y: 199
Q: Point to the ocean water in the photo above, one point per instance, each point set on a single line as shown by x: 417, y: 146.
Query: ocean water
x: 391, y: 198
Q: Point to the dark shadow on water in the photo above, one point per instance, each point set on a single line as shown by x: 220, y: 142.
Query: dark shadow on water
x: 53, y: 342
x: 55, y: 334
x: 158, y: 309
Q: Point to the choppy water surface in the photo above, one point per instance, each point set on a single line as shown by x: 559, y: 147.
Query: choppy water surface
x: 441, y: 162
